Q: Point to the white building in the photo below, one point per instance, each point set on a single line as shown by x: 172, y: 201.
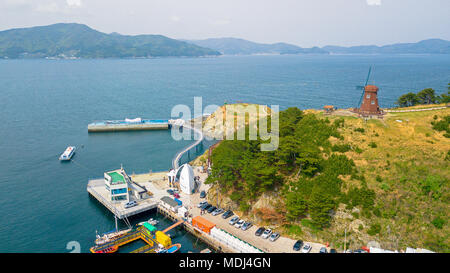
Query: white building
x: 116, y: 186
x: 185, y: 176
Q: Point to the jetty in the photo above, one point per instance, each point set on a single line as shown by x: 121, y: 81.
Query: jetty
x: 136, y: 124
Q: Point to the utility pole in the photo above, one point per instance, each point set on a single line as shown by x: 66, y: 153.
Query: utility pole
x: 345, y: 240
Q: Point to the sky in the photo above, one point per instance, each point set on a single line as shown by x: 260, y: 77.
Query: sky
x: 305, y: 23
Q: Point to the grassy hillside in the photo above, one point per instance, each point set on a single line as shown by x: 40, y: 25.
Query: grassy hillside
x: 381, y: 180
x: 76, y: 40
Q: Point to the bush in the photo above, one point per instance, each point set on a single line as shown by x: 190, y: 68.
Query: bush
x: 358, y: 150
x: 378, y: 178
x: 374, y: 229
x: 438, y: 222
x: 361, y: 130
x: 372, y: 145
x: 342, y: 148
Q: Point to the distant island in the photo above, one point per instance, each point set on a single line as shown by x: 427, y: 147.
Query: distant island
x: 71, y: 41
x: 234, y: 46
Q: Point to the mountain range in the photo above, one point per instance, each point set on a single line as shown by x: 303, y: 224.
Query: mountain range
x: 235, y: 46
x: 80, y: 41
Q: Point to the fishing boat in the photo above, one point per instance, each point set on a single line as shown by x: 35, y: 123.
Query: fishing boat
x: 110, y: 236
x: 111, y: 249
x: 151, y: 221
x: 68, y: 153
x: 173, y: 248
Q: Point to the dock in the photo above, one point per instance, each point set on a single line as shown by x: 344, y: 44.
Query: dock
x: 97, y: 189
x: 132, y: 125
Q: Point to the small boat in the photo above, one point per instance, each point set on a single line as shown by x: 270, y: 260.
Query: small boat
x: 68, y: 153
x: 151, y: 221
x: 111, y: 249
x: 110, y: 236
x: 173, y: 248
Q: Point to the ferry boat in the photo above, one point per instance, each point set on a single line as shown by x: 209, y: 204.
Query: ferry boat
x: 68, y: 153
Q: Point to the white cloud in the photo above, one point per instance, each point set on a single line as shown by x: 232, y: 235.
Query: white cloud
x: 74, y: 3
x: 48, y: 7
x: 373, y: 2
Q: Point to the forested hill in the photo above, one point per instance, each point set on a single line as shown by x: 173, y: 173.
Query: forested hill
x: 81, y: 41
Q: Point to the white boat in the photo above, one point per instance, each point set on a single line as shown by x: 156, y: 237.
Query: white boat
x: 110, y: 236
x: 151, y: 221
x: 68, y: 153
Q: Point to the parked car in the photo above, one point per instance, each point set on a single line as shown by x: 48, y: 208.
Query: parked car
x: 206, y: 206
x: 274, y: 237
x: 306, y: 248
x: 201, y: 204
x: 348, y: 251
x: 266, y: 233
x: 233, y: 220
x: 298, y: 245
x: 169, y: 191
x: 217, y: 211
x: 333, y: 250
x: 130, y: 204
x: 211, y: 209
x: 202, y: 194
x: 246, y: 225
x: 176, y: 195
x: 227, y: 214
x: 323, y: 250
x: 259, y: 231
x: 360, y: 251
x: 239, y: 224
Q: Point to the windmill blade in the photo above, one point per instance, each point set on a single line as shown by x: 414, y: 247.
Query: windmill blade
x: 368, y: 75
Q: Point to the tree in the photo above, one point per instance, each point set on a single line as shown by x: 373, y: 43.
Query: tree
x: 427, y: 96
x: 295, y: 206
x: 409, y: 99
x: 320, y: 206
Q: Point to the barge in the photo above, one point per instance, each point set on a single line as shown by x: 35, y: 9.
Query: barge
x: 68, y: 153
x: 129, y: 125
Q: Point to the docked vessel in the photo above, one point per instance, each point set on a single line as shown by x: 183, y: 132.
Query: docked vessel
x: 128, y: 125
x: 111, y: 249
x: 151, y: 221
x: 173, y: 248
x: 68, y: 153
x: 110, y: 236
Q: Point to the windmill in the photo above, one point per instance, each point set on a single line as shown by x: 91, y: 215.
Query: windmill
x: 362, y: 87
x: 368, y: 103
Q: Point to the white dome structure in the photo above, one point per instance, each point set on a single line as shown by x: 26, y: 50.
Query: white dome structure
x: 186, y: 178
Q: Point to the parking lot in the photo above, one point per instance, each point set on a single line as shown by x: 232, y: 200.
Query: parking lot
x: 281, y: 245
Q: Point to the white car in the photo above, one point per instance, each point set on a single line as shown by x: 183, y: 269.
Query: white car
x: 239, y: 224
x: 130, y: 204
x: 306, y: 248
x: 266, y: 233
x: 201, y: 204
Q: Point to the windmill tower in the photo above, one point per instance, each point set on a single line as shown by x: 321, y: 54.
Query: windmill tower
x: 368, y: 103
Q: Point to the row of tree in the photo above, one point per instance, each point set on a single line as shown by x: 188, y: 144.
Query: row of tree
x: 426, y: 96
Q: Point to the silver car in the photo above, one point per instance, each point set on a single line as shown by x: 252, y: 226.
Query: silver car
x: 274, y: 237
x: 266, y: 233
x: 233, y: 220
x: 217, y: 212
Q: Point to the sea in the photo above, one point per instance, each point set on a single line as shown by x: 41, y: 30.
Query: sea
x: 46, y: 105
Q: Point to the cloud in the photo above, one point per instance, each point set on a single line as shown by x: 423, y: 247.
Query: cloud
x: 74, y: 3
x: 373, y: 2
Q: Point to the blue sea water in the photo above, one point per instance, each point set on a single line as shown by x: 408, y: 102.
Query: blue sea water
x: 45, y: 105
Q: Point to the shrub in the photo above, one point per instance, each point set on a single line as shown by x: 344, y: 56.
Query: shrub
x: 378, y: 178
x: 361, y: 130
x: 374, y: 229
x: 438, y: 222
x: 358, y: 150
x: 372, y: 145
x: 342, y: 148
